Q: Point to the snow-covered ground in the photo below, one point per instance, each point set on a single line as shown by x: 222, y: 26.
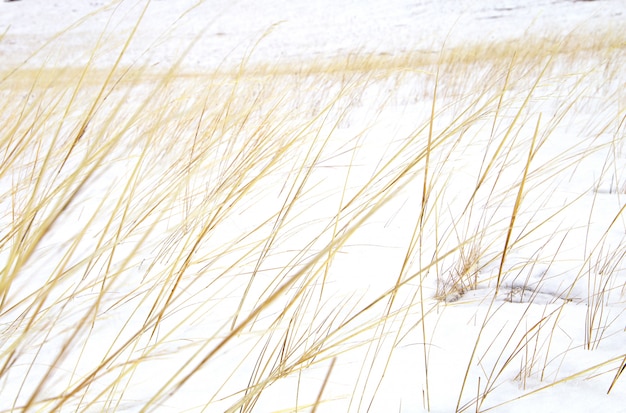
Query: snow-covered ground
x: 224, y: 29
x: 338, y: 206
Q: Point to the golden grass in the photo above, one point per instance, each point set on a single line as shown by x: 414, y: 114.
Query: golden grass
x: 198, y: 226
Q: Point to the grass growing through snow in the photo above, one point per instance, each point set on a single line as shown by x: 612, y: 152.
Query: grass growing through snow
x: 275, y: 237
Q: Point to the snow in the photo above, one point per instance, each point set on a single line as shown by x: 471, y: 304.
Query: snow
x: 227, y: 30
x: 167, y: 285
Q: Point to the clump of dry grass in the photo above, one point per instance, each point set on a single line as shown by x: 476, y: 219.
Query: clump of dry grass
x: 196, y: 225
x: 462, y: 278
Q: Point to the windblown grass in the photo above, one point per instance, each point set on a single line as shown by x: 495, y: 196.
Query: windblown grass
x: 274, y: 237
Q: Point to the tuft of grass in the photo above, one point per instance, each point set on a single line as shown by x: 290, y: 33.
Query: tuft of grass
x: 462, y: 278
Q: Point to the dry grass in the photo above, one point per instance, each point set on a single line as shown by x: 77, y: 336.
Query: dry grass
x: 202, y: 226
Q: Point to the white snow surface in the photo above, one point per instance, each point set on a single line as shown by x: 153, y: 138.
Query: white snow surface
x: 522, y: 344
x: 227, y: 30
